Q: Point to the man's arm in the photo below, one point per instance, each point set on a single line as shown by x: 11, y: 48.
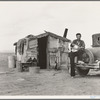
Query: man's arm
x: 82, y: 45
x: 73, y: 43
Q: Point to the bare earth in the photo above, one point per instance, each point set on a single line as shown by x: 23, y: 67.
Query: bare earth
x: 47, y: 82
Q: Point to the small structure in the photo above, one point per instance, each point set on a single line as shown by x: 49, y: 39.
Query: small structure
x: 49, y: 49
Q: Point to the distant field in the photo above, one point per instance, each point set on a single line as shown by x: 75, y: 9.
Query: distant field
x: 4, y: 60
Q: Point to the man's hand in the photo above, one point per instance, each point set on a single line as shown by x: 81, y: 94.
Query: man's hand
x: 73, y: 44
x: 80, y: 48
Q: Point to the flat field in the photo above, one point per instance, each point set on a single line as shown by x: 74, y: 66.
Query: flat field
x: 45, y: 83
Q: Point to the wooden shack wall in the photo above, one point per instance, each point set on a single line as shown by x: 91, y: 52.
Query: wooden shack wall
x: 32, y: 50
x: 22, y: 57
x: 58, y: 52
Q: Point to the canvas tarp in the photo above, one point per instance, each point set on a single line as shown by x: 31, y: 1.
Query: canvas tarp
x: 20, y: 46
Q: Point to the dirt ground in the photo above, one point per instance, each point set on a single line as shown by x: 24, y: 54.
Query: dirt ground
x: 47, y: 82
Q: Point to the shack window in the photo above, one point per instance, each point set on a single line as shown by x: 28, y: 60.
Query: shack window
x: 99, y: 40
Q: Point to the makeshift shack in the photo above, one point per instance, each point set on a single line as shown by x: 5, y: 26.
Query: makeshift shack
x: 49, y: 49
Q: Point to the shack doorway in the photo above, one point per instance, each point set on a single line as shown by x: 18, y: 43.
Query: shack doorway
x: 42, y: 56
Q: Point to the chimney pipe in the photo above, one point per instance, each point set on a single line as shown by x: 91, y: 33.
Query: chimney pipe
x: 65, y: 33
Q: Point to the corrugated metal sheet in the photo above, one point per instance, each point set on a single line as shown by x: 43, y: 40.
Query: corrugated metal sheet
x: 51, y: 34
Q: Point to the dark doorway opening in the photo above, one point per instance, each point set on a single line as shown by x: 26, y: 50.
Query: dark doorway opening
x: 42, y: 56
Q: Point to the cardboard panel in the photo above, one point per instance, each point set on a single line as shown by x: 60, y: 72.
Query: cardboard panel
x: 33, y: 43
x: 53, y: 42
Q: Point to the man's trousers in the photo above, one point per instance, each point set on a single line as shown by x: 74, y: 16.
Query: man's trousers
x: 72, y: 56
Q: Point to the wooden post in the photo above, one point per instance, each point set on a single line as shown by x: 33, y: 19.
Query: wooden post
x: 47, y: 51
x: 59, y: 59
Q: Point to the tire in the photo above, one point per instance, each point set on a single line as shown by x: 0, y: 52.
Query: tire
x: 90, y: 55
x: 82, y: 72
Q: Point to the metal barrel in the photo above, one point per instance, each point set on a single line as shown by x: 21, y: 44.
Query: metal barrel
x: 11, y: 62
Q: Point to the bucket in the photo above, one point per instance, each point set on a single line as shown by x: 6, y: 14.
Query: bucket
x: 11, y: 62
x: 19, y: 66
x: 34, y: 69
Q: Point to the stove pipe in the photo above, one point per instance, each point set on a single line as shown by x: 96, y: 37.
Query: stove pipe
x: 65, y: 33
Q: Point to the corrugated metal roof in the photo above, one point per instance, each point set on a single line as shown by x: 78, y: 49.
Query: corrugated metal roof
x: 48, y: 34
x: 51, y: 34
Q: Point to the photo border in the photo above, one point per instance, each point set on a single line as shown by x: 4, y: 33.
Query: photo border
x: 39, y: 97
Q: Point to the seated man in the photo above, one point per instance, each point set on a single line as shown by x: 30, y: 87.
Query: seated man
x: 77, y: 48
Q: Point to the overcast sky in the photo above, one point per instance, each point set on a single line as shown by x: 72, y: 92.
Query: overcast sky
x: 21, y: 18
